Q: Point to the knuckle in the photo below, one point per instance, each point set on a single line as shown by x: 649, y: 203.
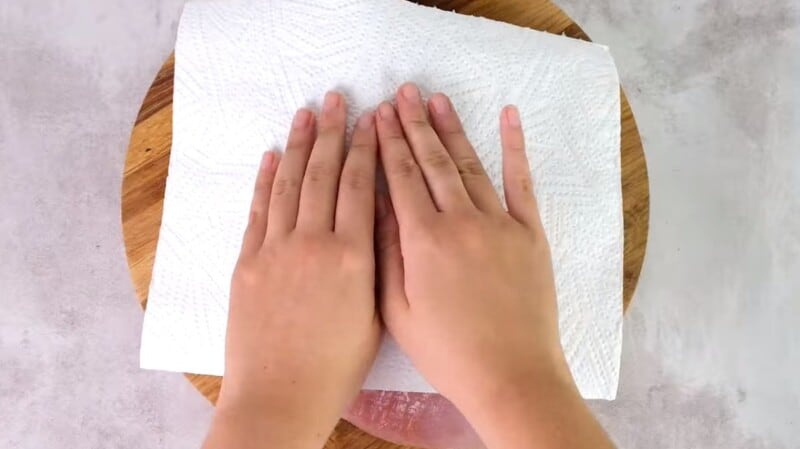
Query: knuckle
x: 437, y: 159
x: 258, y: 213
x: 452, y: 133
x: 246, y: 273
x: 418, y: 123
x: 538, y: 241
x: 469, y: 166
x: 405, y: 167
x: 285, y: 185
x: 332, y: 132
x: 393, y: 137
x: 361, y: 147
x: 516, y: 147
x: 356, y: 179
x: 264, y: 183
x: 319, y: 171
x: 525, y: 184
x: 298, y: 144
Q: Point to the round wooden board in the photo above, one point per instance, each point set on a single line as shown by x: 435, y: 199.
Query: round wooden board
x: 148, y: 158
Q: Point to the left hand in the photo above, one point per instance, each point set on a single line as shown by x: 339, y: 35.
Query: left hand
x: 302, y: 329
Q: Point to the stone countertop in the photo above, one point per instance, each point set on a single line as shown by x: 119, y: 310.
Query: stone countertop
x: 710, y: 356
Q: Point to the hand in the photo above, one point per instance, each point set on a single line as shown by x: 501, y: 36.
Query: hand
x: 467, y: 288
x: 303, y: 330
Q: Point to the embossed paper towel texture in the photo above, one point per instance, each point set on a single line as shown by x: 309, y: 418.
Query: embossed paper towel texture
x: 244, y: 67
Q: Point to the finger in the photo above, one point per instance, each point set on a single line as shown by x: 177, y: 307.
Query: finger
x: 321, y: 180
x: 286, y: 188
x: 355, y: 207
x: 517, y: 181
x: 448, y: 126
x: 259, y: 207
x: 438, y: 167
x: 410, y: 196
x: 389, y: 259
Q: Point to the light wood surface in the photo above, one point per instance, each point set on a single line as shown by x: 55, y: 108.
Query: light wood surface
x: 148, y: 158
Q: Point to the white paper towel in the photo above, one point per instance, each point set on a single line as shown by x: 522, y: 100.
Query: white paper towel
x: 244, y: 67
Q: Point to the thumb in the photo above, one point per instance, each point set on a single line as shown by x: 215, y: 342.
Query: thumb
x: 389, y: 261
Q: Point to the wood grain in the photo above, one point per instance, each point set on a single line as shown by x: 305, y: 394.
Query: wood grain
x: 147, y: 160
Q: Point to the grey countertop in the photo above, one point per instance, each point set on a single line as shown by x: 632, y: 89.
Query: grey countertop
x: 711, y: 356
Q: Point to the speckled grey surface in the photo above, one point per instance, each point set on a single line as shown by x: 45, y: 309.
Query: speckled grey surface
x: 710, y: 355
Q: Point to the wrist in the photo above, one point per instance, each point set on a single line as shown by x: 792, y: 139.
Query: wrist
x: 530, y: 406
x: 547, y: 410
x: 260, y: 421
x: 516, y: 389
x: 236, y: 428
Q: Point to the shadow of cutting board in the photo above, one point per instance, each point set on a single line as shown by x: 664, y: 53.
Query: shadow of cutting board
x: 147, y: 161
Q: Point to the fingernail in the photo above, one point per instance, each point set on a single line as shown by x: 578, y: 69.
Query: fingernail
x: 410, y: 92
x: 366, y: 120
x: 441, y: 105
x: 332, y: 100
x: 381, y: 206
x: 386, y: 111
x: 267, y: 159
x: 512, y: 116
x: 302, y: 118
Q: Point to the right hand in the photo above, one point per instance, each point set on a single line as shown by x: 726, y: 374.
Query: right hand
x: 467, y: 287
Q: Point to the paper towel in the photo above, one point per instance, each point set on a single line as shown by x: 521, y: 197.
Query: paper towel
x: 244, y: 67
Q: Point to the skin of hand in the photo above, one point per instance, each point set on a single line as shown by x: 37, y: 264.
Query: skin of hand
x: 303, y: 328
x: 466, y: 287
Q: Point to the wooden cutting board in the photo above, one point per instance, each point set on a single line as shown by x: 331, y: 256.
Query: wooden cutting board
x: 148, y: 158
